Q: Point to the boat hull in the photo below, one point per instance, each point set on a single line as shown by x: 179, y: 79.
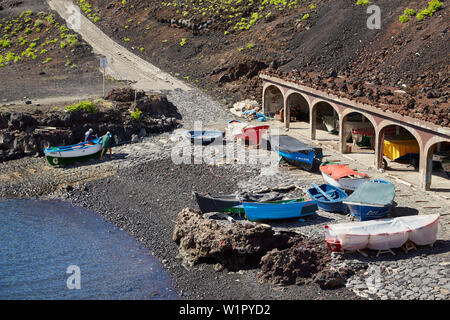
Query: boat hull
x: 204, y: 137
x: 54, y: 161
x: 382, y: 234
x: 344, y: 183
x: 367, y: 212
x: 73, y: 153
x: 261, y: 211
x: 306, y: 161
x: 335, y: 205
x: 217, y: 204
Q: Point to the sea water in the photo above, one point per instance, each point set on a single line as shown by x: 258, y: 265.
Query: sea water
x: 52, y: 250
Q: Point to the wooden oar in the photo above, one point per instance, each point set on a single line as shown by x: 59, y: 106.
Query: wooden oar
x: 322, y: 192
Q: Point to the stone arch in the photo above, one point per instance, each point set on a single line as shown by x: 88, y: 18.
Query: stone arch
x: 320, y: 106
x: 427, y: 160
x: 298, y: 105
x: 273, y: 99
x: 345, y: 128
x: 380, y: 141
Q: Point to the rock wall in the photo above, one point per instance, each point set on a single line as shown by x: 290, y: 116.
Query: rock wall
x: 27, y: 134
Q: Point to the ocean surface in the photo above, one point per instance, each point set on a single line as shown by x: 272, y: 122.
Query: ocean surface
x: 49, y: 249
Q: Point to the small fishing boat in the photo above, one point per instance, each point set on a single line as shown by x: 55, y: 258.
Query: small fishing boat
x: 230, y: 203
x: 72, y: 153
x: 382, y: 234
x: 204, y: 137
x: 342, y: 176
x: 372, y: 200
x: 295, y: 152
x: 329, y: 198
x: 225, y: 203
x: 277, y: 210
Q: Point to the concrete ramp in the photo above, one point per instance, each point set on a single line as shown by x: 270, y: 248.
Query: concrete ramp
x: 122, y: 64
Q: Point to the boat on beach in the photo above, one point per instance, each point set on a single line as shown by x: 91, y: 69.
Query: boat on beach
x: 372, y: 200
x: 382, y: 234
x: 204, y: 137
x: 329, y: 198
x: 295, y: 152
x: 277, y: 210
x: 72, y: 153
x: 342, y: 176
x: 229, y: 203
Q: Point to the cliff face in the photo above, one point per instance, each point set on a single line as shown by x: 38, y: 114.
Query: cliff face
x: 222, y: 47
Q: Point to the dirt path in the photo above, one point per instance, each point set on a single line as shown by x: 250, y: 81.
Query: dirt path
x: 122, y: 64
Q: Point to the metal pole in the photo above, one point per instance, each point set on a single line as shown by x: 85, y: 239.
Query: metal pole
x: 104, y: 70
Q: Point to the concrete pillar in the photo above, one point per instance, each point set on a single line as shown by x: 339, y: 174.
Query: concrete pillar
x: 379, y: 148
x: 287, y: 114
x: 312, y: 122
x: 343, y: 143
x: 426, y: 167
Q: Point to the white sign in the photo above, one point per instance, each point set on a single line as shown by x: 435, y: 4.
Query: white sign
x: 103, y: 62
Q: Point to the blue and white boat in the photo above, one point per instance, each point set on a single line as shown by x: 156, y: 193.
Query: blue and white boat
x: 329, y: 198
x: 295, y: 152
x: 372, y: 200
x: 204, y: 137
x: 277, y: 210
x: 72, y: 153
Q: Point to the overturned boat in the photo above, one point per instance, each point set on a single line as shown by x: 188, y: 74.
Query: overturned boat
x: 342, y: 176
x: 205, y: 137
x: 382, y: 234
x: 295, y: 152
x: 72, y: 153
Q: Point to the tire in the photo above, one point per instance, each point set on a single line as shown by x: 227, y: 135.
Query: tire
x: 384, y: 165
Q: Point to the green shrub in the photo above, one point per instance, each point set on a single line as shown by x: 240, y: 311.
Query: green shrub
x: 362, y: 2
x: 409, y: 12
x: 305, y: 17
x: 136, y: 115
x: 183, y: 42
x: 87, y: 106
x: 403, y: 18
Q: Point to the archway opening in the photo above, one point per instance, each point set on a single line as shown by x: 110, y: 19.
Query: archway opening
x: 400, y: 151
x: 327, y: 118
x: 439, y: 155
x: 298, y: 108
x: 273, y: 101
x: 358, y: 134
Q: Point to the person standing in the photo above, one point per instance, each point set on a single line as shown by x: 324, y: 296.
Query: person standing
x: 89, y: 135
x: 106, y: 144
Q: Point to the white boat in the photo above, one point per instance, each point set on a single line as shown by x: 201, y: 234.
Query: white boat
x: 382, y: 234
x: 342, y: 177
x: 66, y: 154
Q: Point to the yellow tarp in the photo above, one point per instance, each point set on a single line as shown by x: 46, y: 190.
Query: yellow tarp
x: 394, y: 149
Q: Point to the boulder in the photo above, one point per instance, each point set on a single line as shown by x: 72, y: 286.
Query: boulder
x: 235, y: 246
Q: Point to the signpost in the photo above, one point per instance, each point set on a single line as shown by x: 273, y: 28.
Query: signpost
x: 103, y: 65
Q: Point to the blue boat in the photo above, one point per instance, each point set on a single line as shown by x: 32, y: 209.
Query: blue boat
x: 329, y: 197
x: 277, y: 210
x: 372, y: 200
x: 204, y: 137
x: 296, y: 152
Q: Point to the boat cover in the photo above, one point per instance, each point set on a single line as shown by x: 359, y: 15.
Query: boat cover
x: 288, y: 144
x: 383, y: 234
x: 372, y: 193
x: 337, y: 171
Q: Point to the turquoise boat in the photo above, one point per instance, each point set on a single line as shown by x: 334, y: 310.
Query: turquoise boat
x: 277, y: 210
